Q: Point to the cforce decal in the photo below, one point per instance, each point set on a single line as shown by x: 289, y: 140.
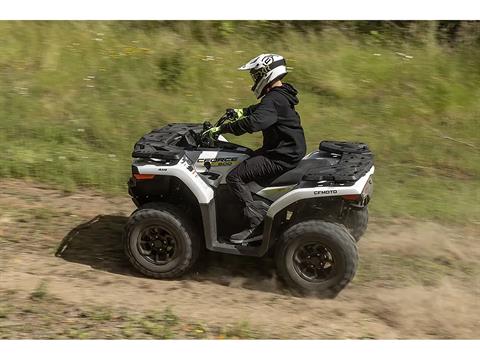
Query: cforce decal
x: 226, y: 161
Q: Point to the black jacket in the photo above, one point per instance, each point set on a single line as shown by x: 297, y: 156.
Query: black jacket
x: 275, y: 116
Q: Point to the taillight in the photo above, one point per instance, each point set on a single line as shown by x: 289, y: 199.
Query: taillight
x: 352, y: 197
x: 143, y: 176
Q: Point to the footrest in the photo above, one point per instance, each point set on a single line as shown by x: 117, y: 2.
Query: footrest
x: 250, y: 240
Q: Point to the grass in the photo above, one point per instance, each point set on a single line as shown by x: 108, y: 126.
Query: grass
x: 395, y: 270
x: 40, y: 292
x: 98, y: 314
x: 75, y: 96
x: 35, y: 319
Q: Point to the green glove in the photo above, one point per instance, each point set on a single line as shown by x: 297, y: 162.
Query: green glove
x: 234, y: 113
x: 211, y: 132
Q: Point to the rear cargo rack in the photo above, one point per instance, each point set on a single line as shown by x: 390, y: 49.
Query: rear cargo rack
x: 341, y: 147
x: 356, y: 160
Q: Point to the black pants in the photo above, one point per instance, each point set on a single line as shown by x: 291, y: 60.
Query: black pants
x: 256, y: 168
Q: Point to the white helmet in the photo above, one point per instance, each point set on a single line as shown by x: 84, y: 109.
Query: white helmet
x: 264, y: 69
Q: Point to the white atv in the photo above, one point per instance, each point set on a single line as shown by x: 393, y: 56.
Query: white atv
x: 317, y: 211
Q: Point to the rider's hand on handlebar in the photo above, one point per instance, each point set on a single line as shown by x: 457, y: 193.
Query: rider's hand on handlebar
x: 212, y: 132
x: 234, y: 114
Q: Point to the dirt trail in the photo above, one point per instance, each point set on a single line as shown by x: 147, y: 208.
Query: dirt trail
x: 416, y: 279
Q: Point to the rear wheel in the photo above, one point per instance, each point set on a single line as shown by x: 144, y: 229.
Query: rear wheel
x: 356, y: 221
x: 160, y: 242
x: 317, y: 258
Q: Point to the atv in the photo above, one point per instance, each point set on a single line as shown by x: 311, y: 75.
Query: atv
x: 316, y: 211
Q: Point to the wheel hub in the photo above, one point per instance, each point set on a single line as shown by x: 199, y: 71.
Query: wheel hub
x: 157, y: 245
x: 314, y: 262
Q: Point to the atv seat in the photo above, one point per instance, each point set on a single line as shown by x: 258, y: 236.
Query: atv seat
x: 292, y: 177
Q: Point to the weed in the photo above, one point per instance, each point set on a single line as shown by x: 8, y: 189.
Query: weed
x: 99, y: 314
x: 40, y: 292
x: 240, y: 330
x: 3, y: 312
x: 156, y: 329
x: 169, y: 317
x: 198, y: 331
x: 43, y: 213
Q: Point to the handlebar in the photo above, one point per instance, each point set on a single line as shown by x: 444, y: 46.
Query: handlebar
x: 207, y: 141
x: 224, y: 118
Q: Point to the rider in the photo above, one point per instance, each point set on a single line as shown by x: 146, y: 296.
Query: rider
x: 283, y: 137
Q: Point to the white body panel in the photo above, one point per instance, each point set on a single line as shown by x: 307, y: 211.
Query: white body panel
x: 321, y: 191
x: 205, y: 193
x: 202, y: 191
x: 222, y: 162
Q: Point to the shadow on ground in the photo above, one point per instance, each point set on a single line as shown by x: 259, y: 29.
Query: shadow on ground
x: 98, y: 243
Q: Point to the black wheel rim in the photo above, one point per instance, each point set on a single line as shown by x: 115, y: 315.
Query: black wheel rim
x: 314, y: 262
x: 157, y: 245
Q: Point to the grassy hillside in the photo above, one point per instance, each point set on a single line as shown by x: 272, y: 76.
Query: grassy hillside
x: 75, y: 96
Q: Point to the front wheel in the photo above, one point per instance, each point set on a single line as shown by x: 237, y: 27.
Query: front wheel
x: 160, y: 242
x: 317, y: 258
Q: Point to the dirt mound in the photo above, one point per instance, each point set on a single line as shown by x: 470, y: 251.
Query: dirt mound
x: 415, y: 279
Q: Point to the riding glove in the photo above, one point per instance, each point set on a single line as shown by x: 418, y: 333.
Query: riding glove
x: 234, y: 113
x: 211, y: 132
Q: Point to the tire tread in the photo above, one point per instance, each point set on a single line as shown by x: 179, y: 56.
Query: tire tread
x: 185, y: 226
x: 321, y: 228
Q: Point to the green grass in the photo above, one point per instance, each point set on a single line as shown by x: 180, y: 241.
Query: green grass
x: 40, y: 292
x: 413, y: 270
x: 54, y: 319
x: 75, y: 96
x: 98, y: 314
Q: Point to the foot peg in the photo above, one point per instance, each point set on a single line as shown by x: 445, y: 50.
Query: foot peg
x: 247, y: 241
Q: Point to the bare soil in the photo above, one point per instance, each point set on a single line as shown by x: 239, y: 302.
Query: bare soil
x: 63, y: 274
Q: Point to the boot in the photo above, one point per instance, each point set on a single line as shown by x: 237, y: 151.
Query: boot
x: 243, y: 235
x: 255, y: 213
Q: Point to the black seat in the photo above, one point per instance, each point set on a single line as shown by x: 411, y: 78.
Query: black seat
x: 294, y: 176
